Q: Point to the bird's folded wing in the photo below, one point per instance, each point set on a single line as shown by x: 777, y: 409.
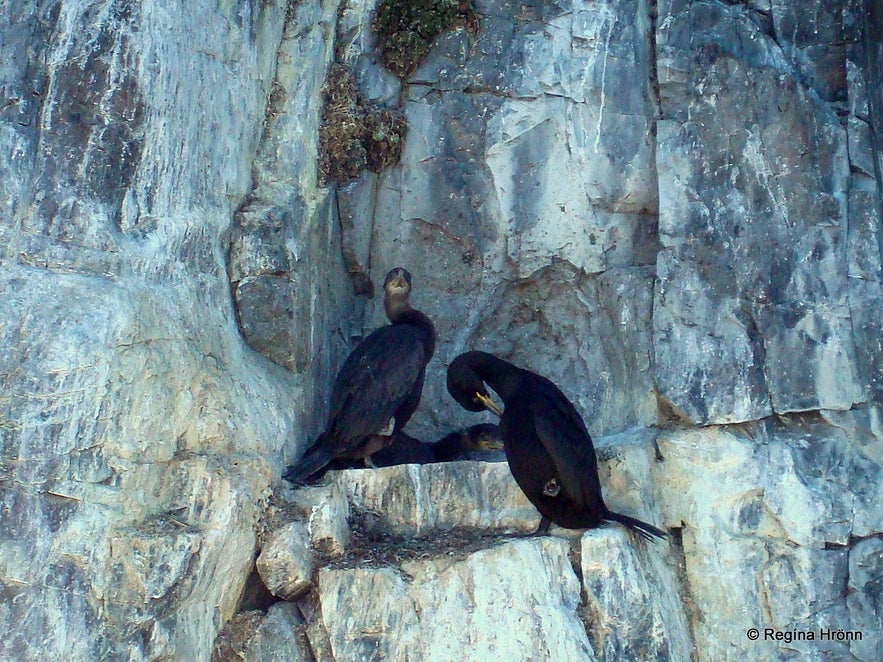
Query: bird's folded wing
x: 562, y: 433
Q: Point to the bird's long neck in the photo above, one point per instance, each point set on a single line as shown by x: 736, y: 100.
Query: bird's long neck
x: 448, y: 447
x: 399, y: 311
x: 500, y: 375
x: 396, y: 307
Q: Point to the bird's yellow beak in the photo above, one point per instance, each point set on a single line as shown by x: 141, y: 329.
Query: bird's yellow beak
x: 489, y: 404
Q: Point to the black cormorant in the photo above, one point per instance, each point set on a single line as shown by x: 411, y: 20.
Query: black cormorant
x: 381, y: 379
x: 458, y: 445
x: 548, y: 448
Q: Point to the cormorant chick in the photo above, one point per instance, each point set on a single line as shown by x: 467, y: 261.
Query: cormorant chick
x: 455, y: 446
x: 381, y: 379
x: 548, y: 448
x: 474, y: 439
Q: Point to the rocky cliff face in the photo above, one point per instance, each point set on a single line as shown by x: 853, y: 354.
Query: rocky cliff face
x: 672, y: 209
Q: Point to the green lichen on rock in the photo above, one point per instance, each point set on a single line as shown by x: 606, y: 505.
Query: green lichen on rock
x: 405, y: 29
x: 355, y: 133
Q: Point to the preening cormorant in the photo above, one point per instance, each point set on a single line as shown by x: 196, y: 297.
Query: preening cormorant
x: 548, y: 448
x: 381, y: 379
x: 456, y: 446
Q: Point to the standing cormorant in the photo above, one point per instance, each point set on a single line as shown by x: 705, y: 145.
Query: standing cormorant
x: 455, y: 446
x: 381, y: 379
x: 548, y: 448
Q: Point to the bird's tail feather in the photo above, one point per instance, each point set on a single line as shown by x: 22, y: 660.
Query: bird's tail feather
x: 315, y: 460
x: 646, y: 531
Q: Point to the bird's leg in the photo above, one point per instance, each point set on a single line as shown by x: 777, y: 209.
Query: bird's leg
x: 370, y: 445
x: 543, y: 528
x: 376, y: 442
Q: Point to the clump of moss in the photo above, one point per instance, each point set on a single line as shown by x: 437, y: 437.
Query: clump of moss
x: 341, y: 154
x: 384, y: 138
x: 405, y: 29
x: 355, y: 134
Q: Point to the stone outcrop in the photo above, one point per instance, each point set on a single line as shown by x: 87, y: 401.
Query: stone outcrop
x: 774, y: 526
x: 670, y: 208
x: 285, y: 563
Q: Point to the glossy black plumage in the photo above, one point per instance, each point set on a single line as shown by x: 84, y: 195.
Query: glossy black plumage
x: 380, y: 380
x: 458, y: 445
x: 548, y: 448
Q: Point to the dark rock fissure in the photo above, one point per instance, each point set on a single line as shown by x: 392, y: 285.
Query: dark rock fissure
x: 585, y: 609
x: 693, y: 615
x: 653, y: 17
x: 255, y: 595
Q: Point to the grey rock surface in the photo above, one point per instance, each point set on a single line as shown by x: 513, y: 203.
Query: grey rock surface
x: 508, y: 208
x: 416, y: 499
x: 772, y: 518
x: 670, y: 208
x: 139, y: 432
x: 865, y: 561
x: 285, y: 563
x: 327, y: 516
x: 634, y: 607
x: 484, y: 606
x: 754, y: 284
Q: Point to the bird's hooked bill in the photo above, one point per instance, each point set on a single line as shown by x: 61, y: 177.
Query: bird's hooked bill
x: 490, y: 444
x: 397, y: 279
x: 489, y: 404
